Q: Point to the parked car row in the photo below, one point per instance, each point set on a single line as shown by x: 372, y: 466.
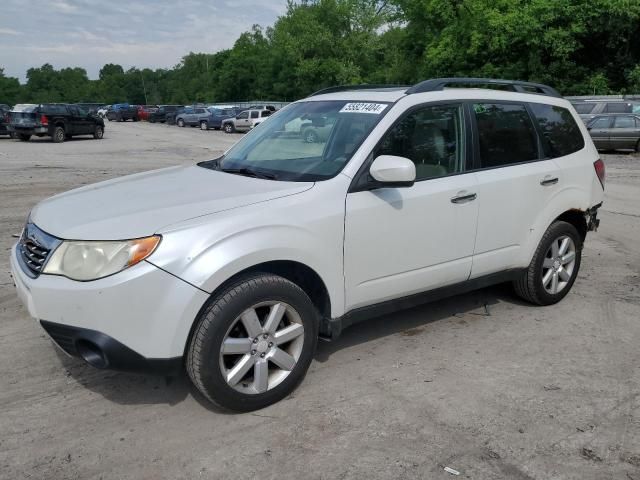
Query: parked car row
x: 60, y: 121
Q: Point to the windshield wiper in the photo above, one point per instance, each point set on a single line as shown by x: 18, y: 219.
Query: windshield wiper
x: 248, y: 172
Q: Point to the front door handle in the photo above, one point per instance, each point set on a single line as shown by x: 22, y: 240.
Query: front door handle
x: 548, y: 180
x: 464, y: 197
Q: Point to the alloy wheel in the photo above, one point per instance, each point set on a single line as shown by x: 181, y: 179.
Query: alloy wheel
x: 558, y: 264
x: 261, y: 347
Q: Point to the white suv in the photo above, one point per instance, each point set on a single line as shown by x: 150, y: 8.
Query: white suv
x: 234, y: 267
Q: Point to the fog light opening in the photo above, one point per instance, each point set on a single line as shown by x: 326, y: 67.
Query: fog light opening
x: 91, y: 353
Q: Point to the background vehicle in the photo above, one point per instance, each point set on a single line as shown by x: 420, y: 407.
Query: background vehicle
x: 587, y: 109
x: 145, y: 110
x: 58, y: 120
x: 317, y: 128
x: 245, y: 121
x: 615, y: 132
x: 90, y: 107
x: 4, y: 119
x: 102, y: 111
x: 191, y: 116
x: 160, y: 115
x: 170, y: 117
x: 122, y: 113
x: 216, y: 116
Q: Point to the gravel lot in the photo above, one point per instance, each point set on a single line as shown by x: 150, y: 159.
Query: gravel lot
x: 482, y: 382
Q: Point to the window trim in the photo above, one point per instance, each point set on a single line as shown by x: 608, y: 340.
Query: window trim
x: 368, y: 185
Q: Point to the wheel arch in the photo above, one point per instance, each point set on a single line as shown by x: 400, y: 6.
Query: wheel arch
x: 297, y: 272
x: 576, y: 218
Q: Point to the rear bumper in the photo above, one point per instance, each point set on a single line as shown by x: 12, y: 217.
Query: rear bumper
x: 102, y: 351
x: 28, y: 130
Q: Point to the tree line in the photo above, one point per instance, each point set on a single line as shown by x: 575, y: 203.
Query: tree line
x: 578, y: 46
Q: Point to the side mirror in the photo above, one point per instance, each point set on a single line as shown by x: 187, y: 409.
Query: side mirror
x: 393, y: 172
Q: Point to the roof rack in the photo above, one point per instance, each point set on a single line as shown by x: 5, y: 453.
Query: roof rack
x: 436, y: 84
x: 364, y: 86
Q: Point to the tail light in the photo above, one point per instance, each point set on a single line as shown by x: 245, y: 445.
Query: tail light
x: 44, y: 120
x: 600, y: 171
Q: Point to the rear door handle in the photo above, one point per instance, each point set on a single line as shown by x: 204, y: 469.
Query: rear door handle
x: 464, y: 197
x: 546, y: 181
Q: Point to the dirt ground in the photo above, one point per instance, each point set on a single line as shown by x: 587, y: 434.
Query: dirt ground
x: 481, y: 383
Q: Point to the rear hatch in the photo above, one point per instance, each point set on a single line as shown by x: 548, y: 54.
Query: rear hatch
x: 24, y: 116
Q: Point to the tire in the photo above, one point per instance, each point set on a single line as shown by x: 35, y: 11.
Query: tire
x: 98, y: 133
x: 310, y: 136
x: 638, y: 147
x: 286, y: 363
x: 135, y: 119
x: 152, y: 121
x: 204, y: 125
x: 543, y: 283
x: 58, y: 135
x: 13, y: 135
x: 229, y: 128
x: 180, y: 122
x: 24, y: 137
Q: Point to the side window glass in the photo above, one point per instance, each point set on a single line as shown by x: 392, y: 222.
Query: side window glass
x: 602, y: 122
x: 584, y: 108
x: 561, y: 134
x: 620, y: 107
x: 431, y: 137
x: 244, y: 115
x: 254, y: 114
x: 624, y: 122
x: 506, y: 134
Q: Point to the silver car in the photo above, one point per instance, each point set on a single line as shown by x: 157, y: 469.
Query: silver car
x: 588, y: 109
x: 613, y: 132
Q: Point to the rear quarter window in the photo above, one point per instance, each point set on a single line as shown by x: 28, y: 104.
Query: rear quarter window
x: 620, y: 107
x: 560, y: 134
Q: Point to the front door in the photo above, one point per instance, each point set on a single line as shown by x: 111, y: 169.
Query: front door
x: 400, y: 241
x: 600, y: 131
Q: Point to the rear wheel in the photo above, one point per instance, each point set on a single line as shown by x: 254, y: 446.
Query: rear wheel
x: 24, y: 137
x: 554, y: 266
x: 204, y: 125
x: 58, y: 135
x: 229, y: 128
x: 253, y: 343
x: 98, y: 133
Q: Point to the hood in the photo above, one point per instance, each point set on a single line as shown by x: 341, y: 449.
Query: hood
x: 140, y: 205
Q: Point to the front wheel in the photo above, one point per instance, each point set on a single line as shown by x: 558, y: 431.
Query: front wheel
x: 229, y: 128
x: 204, y: 125
x: 180, y: 122
x: 554, y: 266
x: 253, y: 343
x: 98, y: 133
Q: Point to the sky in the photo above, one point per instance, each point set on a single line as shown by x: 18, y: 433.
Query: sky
x: 141, y: 33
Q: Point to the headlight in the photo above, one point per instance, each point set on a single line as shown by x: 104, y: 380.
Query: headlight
x: 90, y: 260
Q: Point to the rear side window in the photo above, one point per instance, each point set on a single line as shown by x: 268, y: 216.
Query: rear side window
x: 254, y: 114
x: 506, y: 134
x: 619, y: 107
x: 584, y: 108
x: 561, y: 134
x: 624, y: 122
x: 55, y: 109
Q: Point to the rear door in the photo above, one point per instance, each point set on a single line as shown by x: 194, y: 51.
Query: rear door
x: 625, y: 132
x: 514, y: 180
x: 600, y: 131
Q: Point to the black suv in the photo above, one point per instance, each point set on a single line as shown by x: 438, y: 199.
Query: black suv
x: 4, y: 119
x: 60, y: 121
x: 160, y: 115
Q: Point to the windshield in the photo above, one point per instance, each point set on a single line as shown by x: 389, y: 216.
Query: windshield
x: 306, y: 141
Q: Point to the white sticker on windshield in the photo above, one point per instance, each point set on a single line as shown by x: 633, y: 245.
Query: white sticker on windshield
x: 375, y: 108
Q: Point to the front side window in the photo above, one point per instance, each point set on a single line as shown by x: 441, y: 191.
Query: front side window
x: 506, y: 134
x: 624, y: 122
x: 600, y: 122
x: 432, y: 137
x: 561, y: 134
x: 243, y: 115
x: 305, y: 141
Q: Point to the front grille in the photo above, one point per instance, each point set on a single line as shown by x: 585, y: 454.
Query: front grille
x: 34, y: 248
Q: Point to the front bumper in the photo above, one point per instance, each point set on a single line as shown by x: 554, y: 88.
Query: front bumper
x: 139, y: 319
